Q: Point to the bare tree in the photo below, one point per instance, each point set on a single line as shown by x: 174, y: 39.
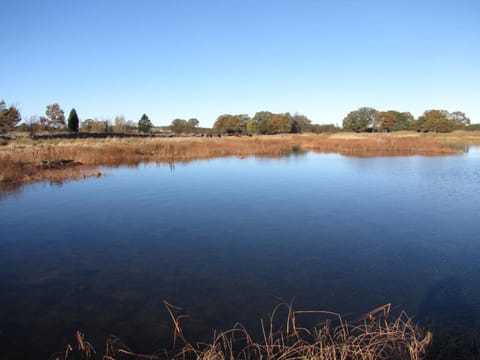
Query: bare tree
x: 55, y: 116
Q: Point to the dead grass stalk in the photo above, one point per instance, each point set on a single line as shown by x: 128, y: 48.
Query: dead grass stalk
x: 376, y: 336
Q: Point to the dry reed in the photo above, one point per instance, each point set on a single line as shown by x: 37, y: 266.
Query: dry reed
x: 373, y: 337
x: 20, y: 160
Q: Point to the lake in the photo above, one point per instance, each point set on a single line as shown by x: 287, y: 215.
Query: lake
x: 228, y: 239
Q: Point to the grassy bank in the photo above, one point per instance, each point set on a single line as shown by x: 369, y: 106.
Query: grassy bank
x: 376, y: 336
x: 22, y: 160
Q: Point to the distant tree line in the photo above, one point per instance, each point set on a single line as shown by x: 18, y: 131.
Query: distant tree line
x: 181, y: 126
x: 54, y: 121
x: 367, y: 119
x: 263, y: 122
x: 364, y: 119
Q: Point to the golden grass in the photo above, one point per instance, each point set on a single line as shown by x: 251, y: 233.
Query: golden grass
x: 19, y: 159
x: 373, y: 337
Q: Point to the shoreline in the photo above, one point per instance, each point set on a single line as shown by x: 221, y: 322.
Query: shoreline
x: 24, y: 160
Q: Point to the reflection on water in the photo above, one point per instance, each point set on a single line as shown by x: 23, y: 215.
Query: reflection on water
x: 227, y: 238
x: 473, y: 150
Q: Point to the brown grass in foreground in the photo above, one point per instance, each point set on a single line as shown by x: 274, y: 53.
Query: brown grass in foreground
x: 374, y: 337
x: 20, y: 160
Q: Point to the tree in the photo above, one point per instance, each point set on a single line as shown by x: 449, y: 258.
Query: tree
x: 282, y: 124
x: 295, y: 127
x: 192, y: 124
x: 405, y: 120
x: 119, y: 124
x: 461, y: 120
x: 391, y: 120
x: 436, y: 121
x: 43, y: 123
x: 33, y: 124
x: 231, y: 124
x: 178, y: 126
x: 144, y: 124
x: 300, y: 123
x: 73, y: 122
x: 385, y: 121
x: 243, y: 120
x: 9, y: 118
x: 265, y: 122
x: 442, y: 121
x: 88, y: 125
x: 96, y: 126
x: 55, y: 117
x: 259, y: 123
x: 360, y: 120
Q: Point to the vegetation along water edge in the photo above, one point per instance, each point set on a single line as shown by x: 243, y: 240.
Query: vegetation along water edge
x: 24, y: 160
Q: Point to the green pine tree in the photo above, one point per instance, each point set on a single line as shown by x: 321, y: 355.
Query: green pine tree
x: 73, y: 121
x: 144, y: 124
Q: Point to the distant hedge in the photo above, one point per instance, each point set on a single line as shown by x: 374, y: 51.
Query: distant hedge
x: 81, y: 135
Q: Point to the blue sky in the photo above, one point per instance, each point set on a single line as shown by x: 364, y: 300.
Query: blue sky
x: 184, y: 58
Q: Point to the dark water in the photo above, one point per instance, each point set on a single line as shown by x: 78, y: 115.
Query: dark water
x: 228, y: 239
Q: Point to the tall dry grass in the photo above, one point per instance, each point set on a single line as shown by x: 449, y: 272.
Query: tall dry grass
x: 376, y: 336
x: 20, y: 160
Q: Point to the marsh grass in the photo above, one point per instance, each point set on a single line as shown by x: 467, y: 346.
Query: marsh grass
x: 19, y: 158
x: 376, y: 336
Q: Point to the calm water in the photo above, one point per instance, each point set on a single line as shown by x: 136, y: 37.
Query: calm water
x: 228, y: 239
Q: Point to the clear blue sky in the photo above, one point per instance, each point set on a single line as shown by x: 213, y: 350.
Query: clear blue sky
x: 191, y: 58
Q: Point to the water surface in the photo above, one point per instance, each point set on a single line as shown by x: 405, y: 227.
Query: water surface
x: 228, y: 239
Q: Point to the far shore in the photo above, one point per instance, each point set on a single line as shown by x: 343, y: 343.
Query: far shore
x: 24, y: 160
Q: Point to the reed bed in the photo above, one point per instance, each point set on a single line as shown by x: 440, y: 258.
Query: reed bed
x: 378, y: 145
x: 21, y: 160
x: 376, y: 336
x: 458, y: 139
